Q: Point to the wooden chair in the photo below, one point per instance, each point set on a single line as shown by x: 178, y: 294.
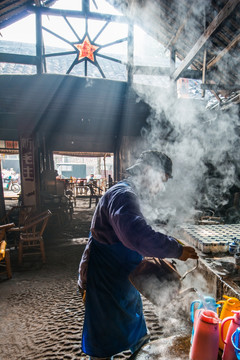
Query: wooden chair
x: 5, y: 262
x: 18, y: 215
x: 93, y: 194
x: 31, y: 236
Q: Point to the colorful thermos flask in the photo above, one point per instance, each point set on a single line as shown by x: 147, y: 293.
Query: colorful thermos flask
x: 235, y: 342
x: 234, y: 323
x: 231, y: 303
x: 208, y: 303
x: 205, y: 342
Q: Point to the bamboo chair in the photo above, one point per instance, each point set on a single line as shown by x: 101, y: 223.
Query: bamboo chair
x: 5, y: 262
x: 31, y: 236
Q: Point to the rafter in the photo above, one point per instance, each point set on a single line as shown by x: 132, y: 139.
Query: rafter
x: 14, y: 12
x: 8, y: 7
x: 217, y: 21
x: 219, y: 87
x: 179, y: 30
x: 78, y: 14
x: 18, y: 59
x: 224, y: 51
x: 164, y: 71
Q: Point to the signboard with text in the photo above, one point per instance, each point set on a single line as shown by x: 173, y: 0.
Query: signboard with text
x: 28, y: 174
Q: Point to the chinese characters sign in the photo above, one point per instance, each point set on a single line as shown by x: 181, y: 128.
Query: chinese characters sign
x: 28, y: 171
x: 8, y: 144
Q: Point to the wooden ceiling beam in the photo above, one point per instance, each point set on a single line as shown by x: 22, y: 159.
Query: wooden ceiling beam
x: 18, y: 59
x: 217, y: 21
x: 3, y: 3
x: 175, y: 37
x: 164, y: 71
x: 82, y: 154
x: 78, y: 14
x: 223, y: 52
x: 219, y: 87
x: 8, y: 8
x: 10, y: 14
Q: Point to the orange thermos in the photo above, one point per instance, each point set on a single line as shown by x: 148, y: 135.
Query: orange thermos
x: 231, y: 303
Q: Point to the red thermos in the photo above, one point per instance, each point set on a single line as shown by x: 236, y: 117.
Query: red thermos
x: 206, y: 337
x: 228, y: 351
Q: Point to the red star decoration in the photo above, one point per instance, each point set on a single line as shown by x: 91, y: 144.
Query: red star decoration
x: 86, y: 49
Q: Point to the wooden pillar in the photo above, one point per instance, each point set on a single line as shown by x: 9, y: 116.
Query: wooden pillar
x: 172, y: 68
x: 39, y: 42
x: 116, y: 166
x: 2, y: 202
x: 47, y: 180
x: 130, y: 53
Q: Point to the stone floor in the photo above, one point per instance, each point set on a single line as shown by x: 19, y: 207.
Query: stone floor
x: 41, y: 312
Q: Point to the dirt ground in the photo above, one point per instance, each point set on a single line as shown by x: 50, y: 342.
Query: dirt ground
x: 41, y: 312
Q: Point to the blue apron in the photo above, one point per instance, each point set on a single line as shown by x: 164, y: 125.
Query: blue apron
x: 114, y: 319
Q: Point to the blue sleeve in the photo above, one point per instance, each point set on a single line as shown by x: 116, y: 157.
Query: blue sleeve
x: 132, y: 230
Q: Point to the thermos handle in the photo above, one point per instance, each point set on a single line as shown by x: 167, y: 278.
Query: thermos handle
x: 192, y: 309
x: 221, y: 302
x: 217, y: 308
x: 233, y: 341
x: 223, y: 322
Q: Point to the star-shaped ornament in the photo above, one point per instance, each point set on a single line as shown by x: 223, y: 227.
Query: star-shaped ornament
x: 86, y: 49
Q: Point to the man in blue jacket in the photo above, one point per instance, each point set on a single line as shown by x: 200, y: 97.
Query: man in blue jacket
x: 119, y: 239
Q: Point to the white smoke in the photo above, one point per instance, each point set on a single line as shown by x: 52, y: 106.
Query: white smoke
x: 195, y: 139
x: 203, y: 145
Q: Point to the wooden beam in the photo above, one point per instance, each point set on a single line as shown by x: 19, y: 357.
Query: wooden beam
x: 219, y: 87
x: 179, y: 30
x: 204, y: 70
x: 172, y: 59
x: 18, y: 59
x: 165, y: 71
x: 79, y: 14
x: 8, y: 7
x: 224, y: 51
x: 130, y: 53
x: 13, y: 12
x: 217, y: 21
x: 39, y: 42
x: 151, y: 70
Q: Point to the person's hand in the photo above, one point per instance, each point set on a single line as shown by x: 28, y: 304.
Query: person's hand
x: 188, y: 253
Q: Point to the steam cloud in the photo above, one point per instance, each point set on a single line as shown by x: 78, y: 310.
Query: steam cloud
x: 204, y: 147
x: 203, y: 144
x: 200, y: 143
